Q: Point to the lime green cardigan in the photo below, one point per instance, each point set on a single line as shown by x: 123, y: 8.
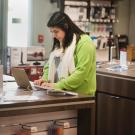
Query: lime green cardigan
x: 83, y: 79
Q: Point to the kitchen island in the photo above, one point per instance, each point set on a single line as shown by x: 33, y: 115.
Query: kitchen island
x: 13, y: 112
x: 115, y: 101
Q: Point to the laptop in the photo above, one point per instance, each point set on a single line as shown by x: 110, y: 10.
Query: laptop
x: 22, y: 79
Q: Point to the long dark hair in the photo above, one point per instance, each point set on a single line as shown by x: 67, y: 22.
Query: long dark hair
x: 63, y: 21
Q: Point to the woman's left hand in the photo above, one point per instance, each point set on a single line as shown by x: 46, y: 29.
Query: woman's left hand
x: 47, y: 85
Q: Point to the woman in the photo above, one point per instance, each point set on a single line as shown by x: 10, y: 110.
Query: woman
x: 72, y: 62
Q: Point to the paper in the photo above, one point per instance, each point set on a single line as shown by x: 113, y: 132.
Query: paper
x: 7, y: 78
x: 20, y: 98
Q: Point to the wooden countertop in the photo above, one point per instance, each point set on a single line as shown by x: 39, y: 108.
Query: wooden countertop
x: 45, y: 103
x: 116, y: 83
x: 130, y: 73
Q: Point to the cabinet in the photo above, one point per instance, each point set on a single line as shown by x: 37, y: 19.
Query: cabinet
x: 115, y: 103
x: 75, y: 111
x: 115, y: 115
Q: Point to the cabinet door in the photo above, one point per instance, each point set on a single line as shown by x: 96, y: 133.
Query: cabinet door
x: 114, y: 115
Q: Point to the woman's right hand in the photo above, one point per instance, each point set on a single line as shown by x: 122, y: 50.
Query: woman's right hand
x: 39, y: 82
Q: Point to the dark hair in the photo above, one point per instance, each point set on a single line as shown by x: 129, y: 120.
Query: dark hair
x: 62, y: 21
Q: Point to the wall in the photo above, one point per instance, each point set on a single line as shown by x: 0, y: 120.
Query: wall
x: 18, y: 23
x: 41, y: 12
x: 126, y: 16
x: 33, y: 16
x: 123, y: 15
x: 132, y: 23
x: 3, y: 29
x: 0, y: 31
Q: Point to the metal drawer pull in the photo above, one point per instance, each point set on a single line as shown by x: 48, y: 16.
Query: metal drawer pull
x: 115, y: 97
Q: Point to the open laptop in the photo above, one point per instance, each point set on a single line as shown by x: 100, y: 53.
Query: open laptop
x: 22, y: 79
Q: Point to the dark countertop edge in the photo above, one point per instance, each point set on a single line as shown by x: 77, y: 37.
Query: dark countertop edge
x: 45, y: 109
x: 42, y: 102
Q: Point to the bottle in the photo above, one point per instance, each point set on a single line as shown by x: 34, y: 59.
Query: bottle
x: 123, y: 58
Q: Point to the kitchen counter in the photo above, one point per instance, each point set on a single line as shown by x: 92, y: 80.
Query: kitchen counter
x: 45, y: 103
x: 115, y: 101
x: 119, y: 83
x: 130, y: 73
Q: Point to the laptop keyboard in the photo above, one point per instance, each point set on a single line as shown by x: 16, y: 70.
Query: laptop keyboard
x: 38, y: 87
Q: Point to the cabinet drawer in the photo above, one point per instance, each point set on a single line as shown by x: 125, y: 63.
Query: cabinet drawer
x: 115, y: 115
x: 116, y: 85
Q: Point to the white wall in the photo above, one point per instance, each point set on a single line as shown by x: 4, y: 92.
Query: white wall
x: 18, y: 32
x: 41, y: 12
x: 33, y: 15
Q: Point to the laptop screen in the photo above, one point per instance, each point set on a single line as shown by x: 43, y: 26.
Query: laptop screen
x: 21, y: 78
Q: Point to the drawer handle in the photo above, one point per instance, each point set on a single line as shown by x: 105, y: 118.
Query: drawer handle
x: 115, y: 97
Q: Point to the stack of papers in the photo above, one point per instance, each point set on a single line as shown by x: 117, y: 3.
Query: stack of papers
x: 7, y: 78
x: 20, y: 98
